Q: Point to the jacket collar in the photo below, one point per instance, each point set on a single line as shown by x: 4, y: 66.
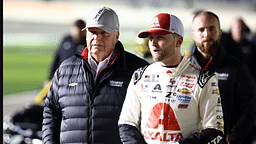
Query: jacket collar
x: 120, y: 56
x: 215, y: 60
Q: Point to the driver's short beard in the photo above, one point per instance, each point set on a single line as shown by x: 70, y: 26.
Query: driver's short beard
x: 212, y: 50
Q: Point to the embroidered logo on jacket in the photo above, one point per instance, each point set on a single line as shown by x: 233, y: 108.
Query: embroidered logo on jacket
x: 222, y: 76
x: 116, y: 83
x: 72, y: 84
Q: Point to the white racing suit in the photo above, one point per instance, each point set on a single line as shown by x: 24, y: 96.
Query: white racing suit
x: 165, y: 105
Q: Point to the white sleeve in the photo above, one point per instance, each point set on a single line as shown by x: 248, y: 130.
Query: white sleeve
x: 210, y: 105
x: 131, y: 110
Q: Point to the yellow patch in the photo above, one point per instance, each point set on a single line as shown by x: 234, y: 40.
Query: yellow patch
x: 72, y: 84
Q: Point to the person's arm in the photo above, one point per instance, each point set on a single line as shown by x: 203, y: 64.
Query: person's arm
x: 129, y: 120
x: 130, y: 134
x: 57, y: 57
x: 51, y: 116
x: 211, y: 115
x: 54, y: 65
x: 246, y: 105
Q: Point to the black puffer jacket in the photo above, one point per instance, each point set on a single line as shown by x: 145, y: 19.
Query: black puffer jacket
x: 77, y: 112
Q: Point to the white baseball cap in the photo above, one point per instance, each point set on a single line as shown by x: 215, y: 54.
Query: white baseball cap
x: 163, y: 24
x: 104, y: 18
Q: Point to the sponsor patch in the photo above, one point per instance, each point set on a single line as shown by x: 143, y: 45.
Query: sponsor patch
x: 183, y: 106
x: 155, y: 77
x: 144, y: 87
x: 187, y: 84
x: 148, y: 97
x: 185, y: 91
x: 170, y: 94
x: 184, y: 99
x: 157, y: 89
x: 222, y: 76
x: 214, y: 84
x: 219, y: 101
x: 188, y: 77
x: 116, y: 83
x: 216, y: 92
x: 147, y: 78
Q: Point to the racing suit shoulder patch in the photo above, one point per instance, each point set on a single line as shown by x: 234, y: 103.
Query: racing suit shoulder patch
x: 138, y: 74
x: 204, y: 76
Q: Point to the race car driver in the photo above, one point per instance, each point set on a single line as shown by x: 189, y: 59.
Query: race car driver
x: 171, y: 100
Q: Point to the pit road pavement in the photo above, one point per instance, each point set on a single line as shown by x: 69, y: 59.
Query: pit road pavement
x: 15, y: 102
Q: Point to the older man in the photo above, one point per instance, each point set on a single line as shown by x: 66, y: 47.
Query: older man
x: 88, y: 90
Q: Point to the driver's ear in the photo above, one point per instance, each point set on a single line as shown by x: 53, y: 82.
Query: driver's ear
x: 179, y: 41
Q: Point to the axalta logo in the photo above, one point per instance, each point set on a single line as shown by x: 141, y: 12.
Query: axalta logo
x: 216, y: 140
x: 184, y: 90
x: 162, y: 114
x: 166, y: 137
x: 162, y: 117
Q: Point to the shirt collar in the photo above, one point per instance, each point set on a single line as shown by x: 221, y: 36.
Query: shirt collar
x: 97, y: 67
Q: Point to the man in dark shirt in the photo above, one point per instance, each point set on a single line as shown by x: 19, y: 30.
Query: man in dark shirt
x: 237, y: 88
x: 71, y: 44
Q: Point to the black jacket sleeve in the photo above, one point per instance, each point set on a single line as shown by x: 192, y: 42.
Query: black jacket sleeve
x: 55, y: 64
x: 130, y: 134
x: 206, y: 136
x: 51, y: 116
x: 246, y: 106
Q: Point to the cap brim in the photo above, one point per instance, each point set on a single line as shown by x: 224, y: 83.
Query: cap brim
x: 107, y: 29
x: 145, y: 34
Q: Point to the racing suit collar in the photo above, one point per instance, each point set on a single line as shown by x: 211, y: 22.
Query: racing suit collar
x: 181, y: 67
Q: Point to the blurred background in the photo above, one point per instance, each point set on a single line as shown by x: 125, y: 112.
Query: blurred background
x: 33, y: 29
